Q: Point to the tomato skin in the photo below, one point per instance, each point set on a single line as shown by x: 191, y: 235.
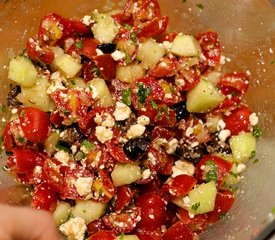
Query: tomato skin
x: 224, y: 201
x: 238, y: 120
x: 153, y: 211
x: 26, y: 159
x: 166, y: 67
x: 178, y: 231
x: 123, y: 197
x: 35, y: 123
x: 219, y: 166
x: 103, y: 235
x: 44, y: 198
x: 148, y: 235
x: 106, y: 65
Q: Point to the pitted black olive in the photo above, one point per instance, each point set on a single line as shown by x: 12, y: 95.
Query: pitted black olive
x: 181, y: 111
x: 215, y: 145
x: 11, y: 98
x: 136, y: 148
x: 71, y: 135
x: 107, y: 47
x: 190, y: 154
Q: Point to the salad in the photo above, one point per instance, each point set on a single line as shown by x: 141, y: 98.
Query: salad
x: 125, y: 131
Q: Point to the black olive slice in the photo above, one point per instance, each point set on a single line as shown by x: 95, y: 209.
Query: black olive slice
x: 107, y: 47
x: 136, y: 148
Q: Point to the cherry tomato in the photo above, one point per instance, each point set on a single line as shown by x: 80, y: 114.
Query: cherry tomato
x: 43, y: 55
x: 161, y: 132
x: 148, y: 235
x: 179, y: 231
x: 123, y: 197
x: 103, y: 235
x: 124, y: 221
x: 26, y: 159
x: 169, y: 37
x: 84, y: 46
x: 106, y: 66
x: 212, y: 168
x: 44, y: 198
x: 95, y: 226
x: 8, y: 136
x: 35, y: 123
x: 166, y: 67
x: 238, y: 120
x: 153, y: 212
x: 224, y: 201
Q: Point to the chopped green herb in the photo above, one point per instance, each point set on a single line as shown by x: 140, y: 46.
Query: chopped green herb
x: 143, y: 93
x: 200, y: 6
x: 121, y: 236
x: 79, y: 156
x: 84, y: 210
x: 195, y: 206
x: 128, y: 26
x: 88, y: 145
x: 154, y: 105
x: 73, y: 82
x: 126, y: 96
x: 253, y: 154
x: 79, y: 44
x: 22, y: 113
x: 62, y: 147
x: 127, y: 58
x: 236, y: 175
x: 11, y: 86
x: 96, y: 72
x: 255, y: 160
x: 66, y: 112
x: 163, y: 110
x: 272, y: 62
x: 184, y: 1
x: 21, y: 139
x: 4, y: 108
x: 133, y: 37
x: 273, y: 210
x: 222, y: 215
x: 212, y: 173
x: 257, y: 131
x: 22, y: 52
x: 1, y: 143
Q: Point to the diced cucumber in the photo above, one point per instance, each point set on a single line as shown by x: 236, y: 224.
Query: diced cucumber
x: 149, y: 53
x: 58, y: 51
x: 51, y: 142
x: 77, y: 82
x: 127, y: 237
x: 203, y: 97
x: 233, y: 177
x: 36, y: 96
x: 61, y: 212
x: 243, y: 146
x: 125, y: 174
x: 186, y: 45
x: 105, y: 29
x: 212, y: 122
x: 129, y: 73
x: 88, y: 210
x: 202, y: 198
x: 68, y: 65
x: 101, y: 91
x: 213, y: 77
x: 22, y: 71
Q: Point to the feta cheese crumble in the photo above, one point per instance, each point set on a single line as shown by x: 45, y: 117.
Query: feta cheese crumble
x: 118, y: 55
x: 74, y: 229
x: 135, y: 131
x: 122, y: 112
x: 83, y: 185
x: 103, y: 134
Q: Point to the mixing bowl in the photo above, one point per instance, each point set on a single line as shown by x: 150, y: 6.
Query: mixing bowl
x: 247, y: 32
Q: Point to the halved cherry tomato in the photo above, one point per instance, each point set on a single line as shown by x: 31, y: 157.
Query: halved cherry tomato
x: 25, y: 160
x: 124, y: 221
x: 35, y: 123
x: 44, y: 198
x: 123, y: 197
x: 161, y: 132
x: 95, y: 226
x: 103, y: 235
x: 224, y: 201
x: 212, y: 168
x: 11, y: 133
x: 166, y: 67
x: 84, y: 46
x: 153, y: 212
x: 106, y: 66
x: 37, y: 53
x: 238, y: 120
x: 148, y: 235
x: 179, y: 231
x: 169, y: 37
x: 196, y: 224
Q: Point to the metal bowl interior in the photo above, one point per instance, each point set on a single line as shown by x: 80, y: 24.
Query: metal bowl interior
x: 247, y: 32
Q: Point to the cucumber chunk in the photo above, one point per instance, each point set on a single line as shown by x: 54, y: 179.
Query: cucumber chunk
x: 243, y: 146
x: 129, y: 73
x: 62, y: 212
x: 22, y: 71
x: 125, y: 174
x: 203, y: 97
x: 88, y: 210
x: 127, y: 237
x: 186, y: 46
x: 68, y: 65
x: 202, y: 198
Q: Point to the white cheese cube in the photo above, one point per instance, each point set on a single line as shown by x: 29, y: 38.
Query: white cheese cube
x: 74, y: 229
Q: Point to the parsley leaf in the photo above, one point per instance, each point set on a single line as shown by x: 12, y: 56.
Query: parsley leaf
x: 73, y: 82
x: 128, y: 26
x: 4, y: 108
x: 255, y: 160
x: 212, y: 173
x: 133, y: 37
x: 1, y: 143
x: 222, y: 215
x: 79, y: 44
x: 121, y: 236
x: 60, y: 146
x: 143, y: 93
x: 126, y: 96
x: 154, y: 105
x: 273, y: 210
x: 257, y: 131
x: 200, y: 6
x: 272, y: 62
x: 88, y: 145
x: 96, y: 72
x: 195, y: 206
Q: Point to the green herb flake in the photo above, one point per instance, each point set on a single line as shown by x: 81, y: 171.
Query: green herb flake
x: 212, y: 173
x: 11, y: 86
x: 253, y: 154
x: 127, y: 96
x: 236, y: 175
x: 121, y: 236
x: 88, y: 145
x: 96, y: 72
x: 273, y: 210
x: 127, y: 58
x: 257, y: 131
x: 62, y: 147
x: 22, y: 113
x: 1, y: 143
x: 73, y: 82
x: 22, y: 52
x: 184, y: 1
x: 128, y: 26
x: 195, y: 206
x: 79, y: 45
x: 21, y: 139
x: 200, y: 6
x: 4, y: 108
x: 272, y: 62
x: 154, y: 105
x: 133, y: 37
x: 222, y: 215
x: 256, y: 160
x: 143, y: 93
